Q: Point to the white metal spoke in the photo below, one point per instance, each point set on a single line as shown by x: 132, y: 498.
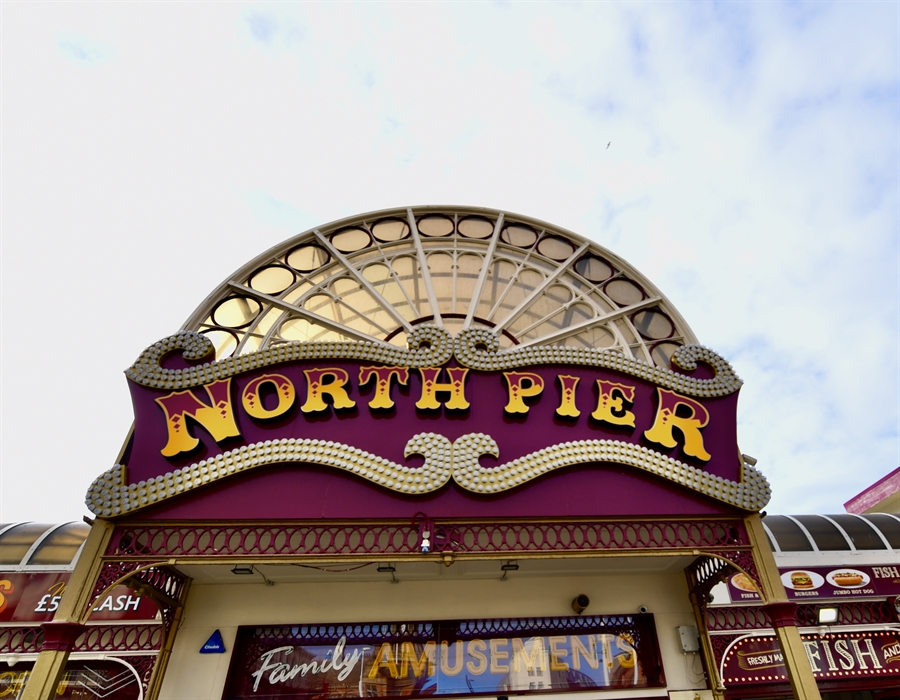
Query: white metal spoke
x: 363, y: 281
x: 485, y: 268
x: 518, y: 284
x: 328, y: 323
x: 423, y: 268
x: 550, y: 279
x: 599, y: 320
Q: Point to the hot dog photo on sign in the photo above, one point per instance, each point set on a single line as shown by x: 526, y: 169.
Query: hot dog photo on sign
x: 847, y: 578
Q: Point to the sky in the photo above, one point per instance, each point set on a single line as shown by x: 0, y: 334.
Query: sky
x: 744, y: 156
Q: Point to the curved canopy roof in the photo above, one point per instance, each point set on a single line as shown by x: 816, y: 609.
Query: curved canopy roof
x: 833, y: 533
x: 39, y: 545
x: 376, y: 276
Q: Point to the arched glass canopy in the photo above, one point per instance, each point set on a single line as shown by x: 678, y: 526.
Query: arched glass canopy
x: 376, y: 276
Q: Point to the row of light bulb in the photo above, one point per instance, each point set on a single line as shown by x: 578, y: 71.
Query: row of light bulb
x: 109, y: 495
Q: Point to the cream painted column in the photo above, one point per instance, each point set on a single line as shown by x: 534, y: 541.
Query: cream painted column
x: 60, y: 634
x: 781, y: 612
x: 709, y: 658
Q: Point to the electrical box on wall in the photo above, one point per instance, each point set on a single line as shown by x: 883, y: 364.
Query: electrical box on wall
x: 690, y: 695
x: 690, y: 639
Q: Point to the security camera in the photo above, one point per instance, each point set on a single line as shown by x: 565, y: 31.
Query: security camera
x: 643, y: 609
x: 580, y: 602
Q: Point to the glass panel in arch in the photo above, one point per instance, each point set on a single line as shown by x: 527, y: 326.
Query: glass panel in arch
x: 495, y: 285
x: 505, y: 342
x: 322, y: 305
x: 293, y: 296
x: 601, y: 302
x: 379, y: 275
x: 468, y: 267
x: 625, y: 329
x: 406, y: 268
x: 267, y: 320
x: 251, y: 344
x: 400, y: 340
x: 223, y: 341
x: 596, y: 337
x: 543, y: 306
x: 363, y: 319
x: 572, y: 316
x: 440, y: 266
x: 662, y: 354
x: 637, y: 351
x: 305, y: 331
x: 526, y: 282
x: 453, y: 325
x: 357, y: 298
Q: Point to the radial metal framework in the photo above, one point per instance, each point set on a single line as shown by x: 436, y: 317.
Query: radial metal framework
x: 376, y: 276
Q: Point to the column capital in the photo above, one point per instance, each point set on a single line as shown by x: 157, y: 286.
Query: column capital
x: 61, y: 636
x: 782, y: 613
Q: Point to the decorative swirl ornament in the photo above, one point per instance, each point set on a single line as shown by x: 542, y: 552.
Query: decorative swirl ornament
x: 429, y: 346
x: 110, y: 495
x: 477, y: 348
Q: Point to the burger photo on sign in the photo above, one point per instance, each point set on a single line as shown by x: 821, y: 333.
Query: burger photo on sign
x: 847, y: 578
x: 800, y: 580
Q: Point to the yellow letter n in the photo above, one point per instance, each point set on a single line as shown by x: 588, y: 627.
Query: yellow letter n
x: 216, y: 417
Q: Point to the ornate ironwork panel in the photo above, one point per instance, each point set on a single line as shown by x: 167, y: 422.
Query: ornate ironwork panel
x: 111, y: 572
x: 752, y: 617
x: 21, y: 640
x: 734, y: 618
x: 317, y: 539
x: 96, y: 638
x: 120, y: 638
x: 719, y: 643
x: 144, y: 665
x: 707, y: 571
x: 164, y: 584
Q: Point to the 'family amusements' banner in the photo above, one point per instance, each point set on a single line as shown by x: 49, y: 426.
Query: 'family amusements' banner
x: 468, y: 657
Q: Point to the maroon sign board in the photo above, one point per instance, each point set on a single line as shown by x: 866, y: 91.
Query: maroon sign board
x: 468, y: 657
x: 845, y: 655
x: 34, y: 597
x: 444, y: 422
x: 818, y: 582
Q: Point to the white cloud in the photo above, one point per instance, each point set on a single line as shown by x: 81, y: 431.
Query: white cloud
x: 83, y: 51
x: 274, y: 212
x: 752, y: 174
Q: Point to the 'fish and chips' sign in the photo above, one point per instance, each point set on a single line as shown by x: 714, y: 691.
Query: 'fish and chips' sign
x: 839, y: 655
x: 448, y: 409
